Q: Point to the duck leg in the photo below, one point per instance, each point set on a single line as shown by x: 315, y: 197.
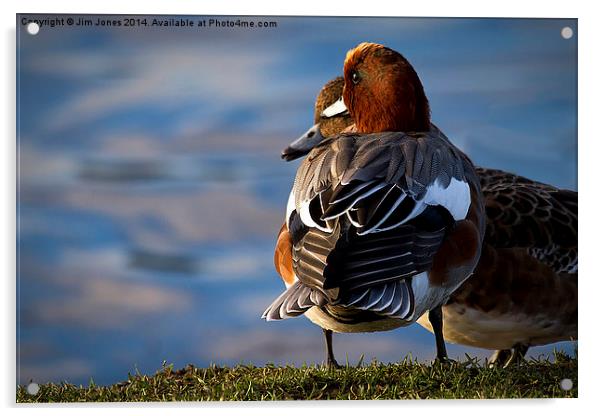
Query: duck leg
x: 518, y: 354
x: 499, y: 358
x: 330, y: 360
x: 505, y: 358
x: 436, y: 320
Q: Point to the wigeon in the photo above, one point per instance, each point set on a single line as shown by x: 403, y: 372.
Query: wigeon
x: 523, y: 291
x: 324, y: 127
x: 385, y: 222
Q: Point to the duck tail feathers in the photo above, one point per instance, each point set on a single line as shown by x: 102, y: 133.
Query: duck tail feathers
x: 294, y: 301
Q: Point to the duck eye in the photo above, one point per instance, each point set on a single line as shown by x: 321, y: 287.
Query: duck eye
x: 355, y: 77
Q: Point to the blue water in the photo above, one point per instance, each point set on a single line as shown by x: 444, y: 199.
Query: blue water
x: 151, y: 188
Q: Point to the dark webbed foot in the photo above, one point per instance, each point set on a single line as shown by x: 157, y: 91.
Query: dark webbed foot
x: 506, y: 358
x: 332, y: 365
x: 446, y: 362
x: 518, y: 355
x: 499, y: 358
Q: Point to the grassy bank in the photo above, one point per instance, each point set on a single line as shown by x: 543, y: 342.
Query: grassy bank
x: 403, y: 380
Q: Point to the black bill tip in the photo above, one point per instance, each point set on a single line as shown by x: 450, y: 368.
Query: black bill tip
x: 290, y: 154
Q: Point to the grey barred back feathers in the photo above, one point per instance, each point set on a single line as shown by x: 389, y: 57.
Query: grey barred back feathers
x: 372, y: 221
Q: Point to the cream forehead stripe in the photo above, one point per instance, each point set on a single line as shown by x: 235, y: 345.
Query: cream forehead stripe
x: 338, y: 107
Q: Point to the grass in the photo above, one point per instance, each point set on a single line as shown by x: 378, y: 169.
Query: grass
x: 404, y: 380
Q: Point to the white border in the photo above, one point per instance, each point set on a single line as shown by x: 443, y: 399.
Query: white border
x: 588, y: 34
x: 462, y: 8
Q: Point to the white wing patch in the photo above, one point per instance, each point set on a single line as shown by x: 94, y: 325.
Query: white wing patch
x: 455, y: 198
x: 306, y: 218
x: 290, y: 207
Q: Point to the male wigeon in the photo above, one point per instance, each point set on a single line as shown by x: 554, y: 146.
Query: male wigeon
x: 385, y: 222
x: 523, y: 291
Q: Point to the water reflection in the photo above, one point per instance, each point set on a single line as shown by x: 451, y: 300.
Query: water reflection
x: 121, y: 171
x: 153, y: 261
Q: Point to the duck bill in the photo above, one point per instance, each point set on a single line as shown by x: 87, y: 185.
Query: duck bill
x: 338, y: 108
x: 303, y: 145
